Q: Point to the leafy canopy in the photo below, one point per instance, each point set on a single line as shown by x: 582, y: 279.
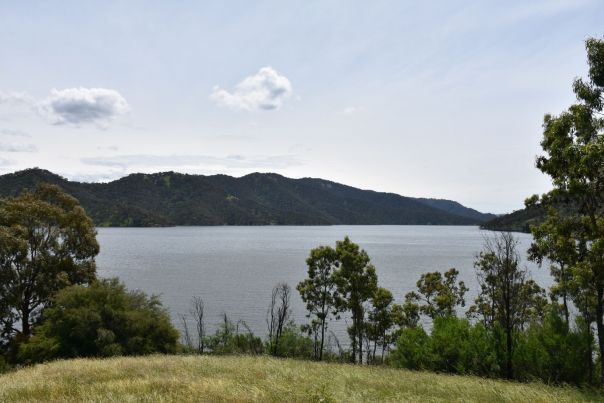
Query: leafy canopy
x: 47, y: 242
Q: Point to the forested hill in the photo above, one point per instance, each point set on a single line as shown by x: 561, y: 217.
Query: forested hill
x: 522, y: 220
x: 519, y: 220
x: 170, y: 198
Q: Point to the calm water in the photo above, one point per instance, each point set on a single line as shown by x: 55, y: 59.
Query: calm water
x: 235, y: 268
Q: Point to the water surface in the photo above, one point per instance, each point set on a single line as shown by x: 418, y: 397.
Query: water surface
x: 235, y: 268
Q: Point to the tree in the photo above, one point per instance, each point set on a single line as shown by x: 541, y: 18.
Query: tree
x: 438, y: 295
x: 103, y: 319
x: 47, y: 242
x: 319, y: 292
x: 228, y: 340
x: 356, y: 281
x: 380, y: 321
x: 197, y: 311
x: 573, y: 146
x: 508, y: 299
x: 553, y: 242
x: 278, y: 315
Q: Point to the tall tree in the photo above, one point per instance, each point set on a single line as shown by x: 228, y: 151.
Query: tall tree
x: 47, y: 242
x: 380, y: 321
x: 508, y: 300
x: 197, y: 311
x: 279, y: 312
x: 438, y: 295
x: 573, y: 146
x: 319, y: 292
x: 357, y: 281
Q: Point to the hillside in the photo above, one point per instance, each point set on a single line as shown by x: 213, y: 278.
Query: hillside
x: 521, y: 220
x: 261, y: 379
x: 170, y: 198
x: 518, y: 221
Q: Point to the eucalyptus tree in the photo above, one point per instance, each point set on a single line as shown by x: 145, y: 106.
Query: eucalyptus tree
x: 319, y: 293
x: 438, y: 294
x: 380, y: 321
x: 356, y: 282
x: 508, y: 299
x: 573, y: 147
x: 47, y: 242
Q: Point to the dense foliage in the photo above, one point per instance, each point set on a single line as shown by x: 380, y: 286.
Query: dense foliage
x: 47, y: 242
x: 573, y: 157
x: 103, y: 319
x: 257, y: 199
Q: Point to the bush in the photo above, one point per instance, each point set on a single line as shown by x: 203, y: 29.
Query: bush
x: 412, y: 349
x: 553, y: 352
x: 481, y: 355
x: 294, y: 344
x: 228, y: 340
x: 455, y: 346
x: 449, y: 344
x: 101, y: 320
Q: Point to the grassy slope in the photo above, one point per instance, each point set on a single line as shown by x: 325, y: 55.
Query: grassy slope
x: 242, y: 379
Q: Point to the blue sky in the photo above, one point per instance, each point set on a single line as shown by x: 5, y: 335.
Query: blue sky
x: 434, y: 99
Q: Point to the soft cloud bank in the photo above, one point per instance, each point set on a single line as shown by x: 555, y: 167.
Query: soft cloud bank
x: 13, y: 133
x: 18, y: 148
x: 266, y: 90
x: 172, y: 161
x: 82, y: 105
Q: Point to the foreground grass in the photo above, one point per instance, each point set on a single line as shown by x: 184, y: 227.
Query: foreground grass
x: 248, y: 379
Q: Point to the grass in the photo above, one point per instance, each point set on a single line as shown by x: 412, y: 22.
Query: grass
x: 250, y: 379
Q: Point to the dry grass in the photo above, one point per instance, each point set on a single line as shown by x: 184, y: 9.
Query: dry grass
x: 249, y: 379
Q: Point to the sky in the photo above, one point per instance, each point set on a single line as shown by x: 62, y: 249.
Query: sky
x: 440, y: 99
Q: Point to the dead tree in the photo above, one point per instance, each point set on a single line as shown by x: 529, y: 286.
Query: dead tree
x: 278, y: 315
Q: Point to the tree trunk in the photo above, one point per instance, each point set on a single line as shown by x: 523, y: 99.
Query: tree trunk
x: 590, y: 370
x: 25, y: 327
x: 565, y: 309
x: 360, y: 340
x: 322, y: 340
x: 353, y: 334
x: 600, y: 326
x: 509, y: 342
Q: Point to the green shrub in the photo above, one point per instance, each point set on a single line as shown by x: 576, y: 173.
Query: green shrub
x: 229, y: 340
x: 412, y: 349
x: 103, y: 319
x: 449, y: 344
x: 553, y: 352
x: 481, y: 354
x: 294, y: 344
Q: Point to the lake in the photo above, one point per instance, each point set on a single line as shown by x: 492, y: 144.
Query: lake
x: 234, y: 268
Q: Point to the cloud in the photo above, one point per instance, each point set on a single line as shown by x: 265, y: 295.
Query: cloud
x: 16, y: 98
x: 5, y: 162
x: 166, y: 161
x: 18, y: 148
x: 82, y: 105
x: 350, y: 110
x: 13, y: 133
x: 266, y: 90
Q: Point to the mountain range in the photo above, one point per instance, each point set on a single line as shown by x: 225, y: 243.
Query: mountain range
x: 170, y: 198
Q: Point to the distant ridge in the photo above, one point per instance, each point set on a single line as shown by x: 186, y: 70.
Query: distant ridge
x: 169, y: 198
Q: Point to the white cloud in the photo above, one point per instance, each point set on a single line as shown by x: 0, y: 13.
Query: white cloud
x: 82, y: 105
x: 73, y: 105
x: 13, y: 133
x: 266, y: 90
x: 138, y: 161
x: 5, y: 163
x: 18, y: 148
x: 350, y: 110
x: 16, y: 98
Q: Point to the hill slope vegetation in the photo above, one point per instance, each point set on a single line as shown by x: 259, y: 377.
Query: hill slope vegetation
x: 249, y: 379
x: 170, y: 198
